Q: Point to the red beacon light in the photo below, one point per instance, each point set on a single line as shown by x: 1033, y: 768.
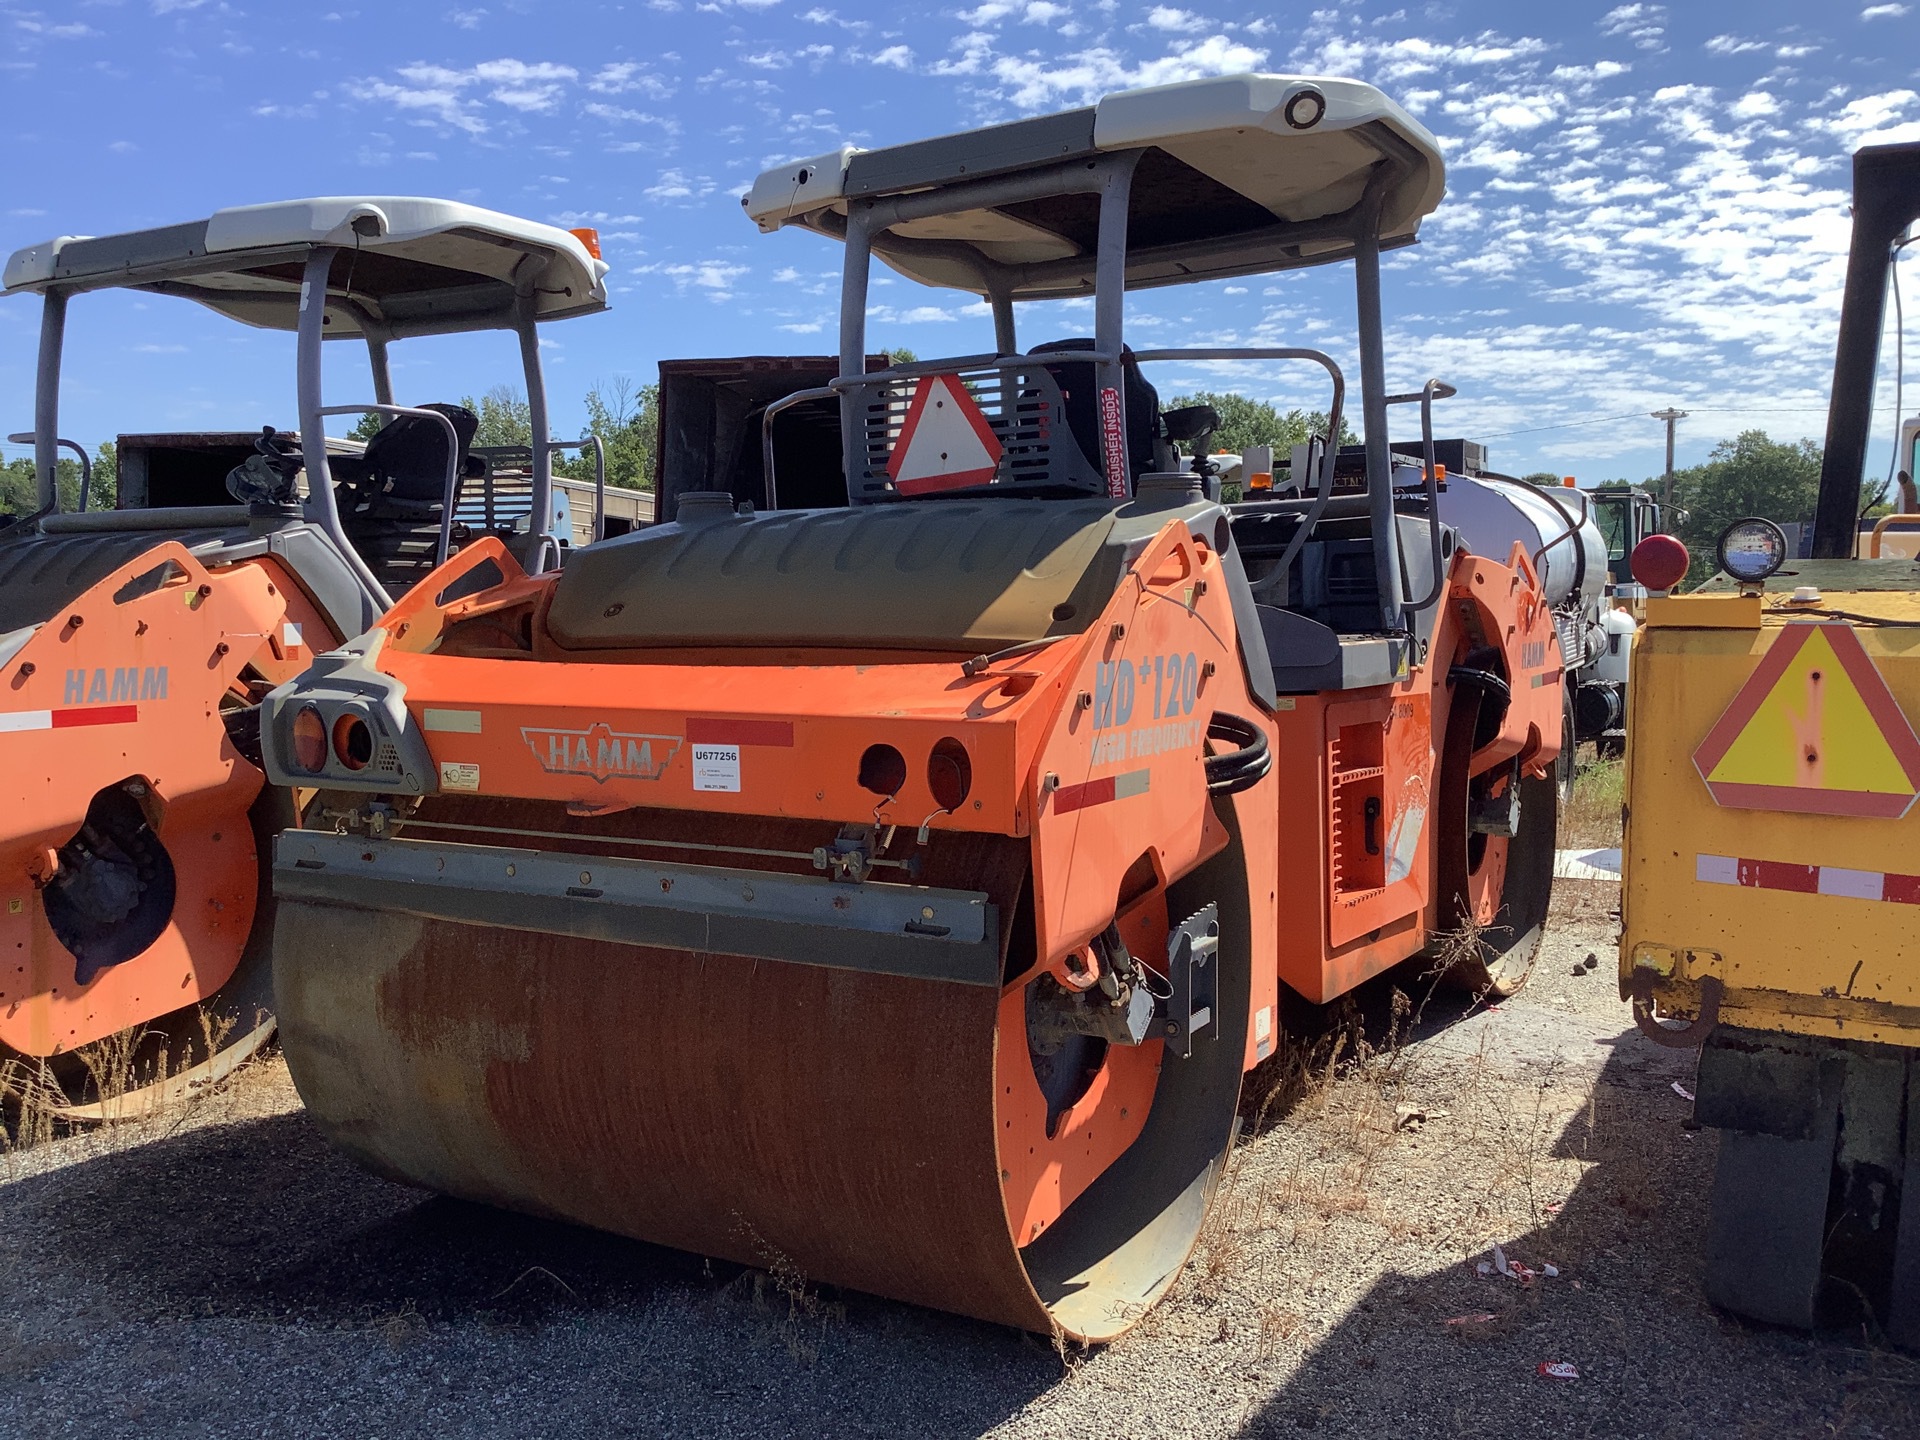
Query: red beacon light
x: 1660, y: 562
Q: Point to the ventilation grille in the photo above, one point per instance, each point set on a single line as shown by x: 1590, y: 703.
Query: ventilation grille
x: 1023, y: 406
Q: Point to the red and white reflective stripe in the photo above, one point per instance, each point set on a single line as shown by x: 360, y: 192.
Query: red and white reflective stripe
x: 1807, y: 879
x: 70, y: 718
x: 705, y: 730
x: 1100, y: 792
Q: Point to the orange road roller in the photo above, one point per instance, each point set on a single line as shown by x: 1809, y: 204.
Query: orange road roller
x: 136, y: 643
x: 889, y: 866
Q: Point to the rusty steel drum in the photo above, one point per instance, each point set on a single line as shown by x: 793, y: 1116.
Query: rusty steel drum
x: 841, y: 1124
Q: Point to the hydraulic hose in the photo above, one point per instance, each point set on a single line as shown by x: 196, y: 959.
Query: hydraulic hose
x: 1244, y: 766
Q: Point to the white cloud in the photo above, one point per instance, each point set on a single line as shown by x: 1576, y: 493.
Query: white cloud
x: 521, y: 86
x: 712, y: 278
x: 817, y: 16
x: 1166, y: 17
x: 676, y: 184
x: 1732, y: 45
x: 35, y: 25
x: 1080, y: 78
x: 1876, y: 120
x: 455, y: 98
x: 1645, y: 25
x: 1753, y: 105
x: 466, y: 19
x: 625, y: 76
x: 619, y: 114
x: 1884, y: 12
x: 894, y: 57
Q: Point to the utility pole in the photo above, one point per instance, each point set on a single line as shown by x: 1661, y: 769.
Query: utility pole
x: 1671, y: 416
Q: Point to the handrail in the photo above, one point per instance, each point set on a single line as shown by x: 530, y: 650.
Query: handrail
x: 599, y: 449
x: 453, y: 459
x: 1428, y: 393
x: 920, y: 368
x: 819, y: 392
x: 1873, y: 541
x: 1324, y: 495
x: 164, y: 517
x: 1573, y: 526
x: 86, y: 462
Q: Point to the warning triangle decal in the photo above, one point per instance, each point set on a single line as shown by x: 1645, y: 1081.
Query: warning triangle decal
x: 1814, y: 730
x: 946, y: 442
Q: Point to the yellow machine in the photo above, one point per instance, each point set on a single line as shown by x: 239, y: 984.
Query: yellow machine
x: 1770, y: 867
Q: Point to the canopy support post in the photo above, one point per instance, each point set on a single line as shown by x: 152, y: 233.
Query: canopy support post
x: 1373, y: 406
x: 312, y: 331
x: 46, y: 403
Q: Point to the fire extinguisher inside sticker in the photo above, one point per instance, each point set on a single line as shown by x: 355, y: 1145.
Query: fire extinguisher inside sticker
x: 716, y: 767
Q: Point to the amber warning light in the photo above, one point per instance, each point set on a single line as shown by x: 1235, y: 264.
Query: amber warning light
x: 588, y: 238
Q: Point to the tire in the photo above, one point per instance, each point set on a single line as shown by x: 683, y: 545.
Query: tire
x: 1494, y: 892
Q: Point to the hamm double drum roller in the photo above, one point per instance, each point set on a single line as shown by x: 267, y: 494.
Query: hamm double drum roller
x: 893, y: 874
x: 137, y: 642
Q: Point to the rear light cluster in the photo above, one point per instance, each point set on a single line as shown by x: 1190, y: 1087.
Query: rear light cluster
x: 883, y: 771
x: 350, y: 741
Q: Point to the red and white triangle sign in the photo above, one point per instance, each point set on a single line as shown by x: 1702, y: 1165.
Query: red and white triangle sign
x: 946, y: 442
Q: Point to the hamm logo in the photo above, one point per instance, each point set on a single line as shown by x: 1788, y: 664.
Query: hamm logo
x: 601, y: 752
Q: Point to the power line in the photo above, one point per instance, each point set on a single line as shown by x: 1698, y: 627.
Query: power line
x: 1636, y: 414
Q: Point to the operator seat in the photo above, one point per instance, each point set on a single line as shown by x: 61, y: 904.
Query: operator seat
x: 1079, y: 394
x: 390, y: 496
x: 403, y: 473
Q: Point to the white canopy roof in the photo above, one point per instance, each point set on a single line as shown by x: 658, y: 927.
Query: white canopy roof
x: 1242, y: 174
x: 408, y: 265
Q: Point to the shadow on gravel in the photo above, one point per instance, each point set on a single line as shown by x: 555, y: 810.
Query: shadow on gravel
x: 261, y: 1223
x: 1456, y: 1353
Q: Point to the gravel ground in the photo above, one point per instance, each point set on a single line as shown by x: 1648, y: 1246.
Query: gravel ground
x: 224, y: 1274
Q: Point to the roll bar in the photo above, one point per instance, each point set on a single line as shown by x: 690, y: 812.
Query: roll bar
x: 310, y: 333
x: 1109, y: 176
x: 1886, y: 200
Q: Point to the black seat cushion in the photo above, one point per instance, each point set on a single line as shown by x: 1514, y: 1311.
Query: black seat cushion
x: 407, y: 460
x: 1075, y: 379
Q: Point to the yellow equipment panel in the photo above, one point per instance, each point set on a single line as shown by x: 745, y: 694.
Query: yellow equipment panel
x: 1771, y: 770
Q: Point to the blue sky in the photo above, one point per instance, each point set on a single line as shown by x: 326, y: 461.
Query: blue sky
x: 1646, y: 205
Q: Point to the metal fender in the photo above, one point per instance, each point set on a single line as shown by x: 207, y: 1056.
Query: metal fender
x: 1120, y: 782
x: 123, y: 689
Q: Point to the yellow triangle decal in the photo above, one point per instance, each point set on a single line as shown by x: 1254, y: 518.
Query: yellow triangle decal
x: 1813, y: 731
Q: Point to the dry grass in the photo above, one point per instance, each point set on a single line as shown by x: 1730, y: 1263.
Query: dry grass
x: 1360, y: 1146
x: 134, y: 1078
x: 798, y: 1314
x: 1591, y: 819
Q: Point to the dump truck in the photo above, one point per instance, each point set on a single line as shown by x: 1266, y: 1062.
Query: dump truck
x: 1771, y: 773
x: 136, y: 643
x: 886, y: 868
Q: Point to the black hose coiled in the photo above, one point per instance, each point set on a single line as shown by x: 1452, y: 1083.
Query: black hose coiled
x: 1240, y: 768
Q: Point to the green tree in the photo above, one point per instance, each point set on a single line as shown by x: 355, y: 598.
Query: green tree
x: 1542, y: 477
x: 1748, y: 475
x: 106, y: 476
x: 20, y: 495
x: 366, y: 427
x: 626, y: 418
x: 505, y: 416
x: 1245, y: 422
x: 17, y: 493
x: 900, y: 355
